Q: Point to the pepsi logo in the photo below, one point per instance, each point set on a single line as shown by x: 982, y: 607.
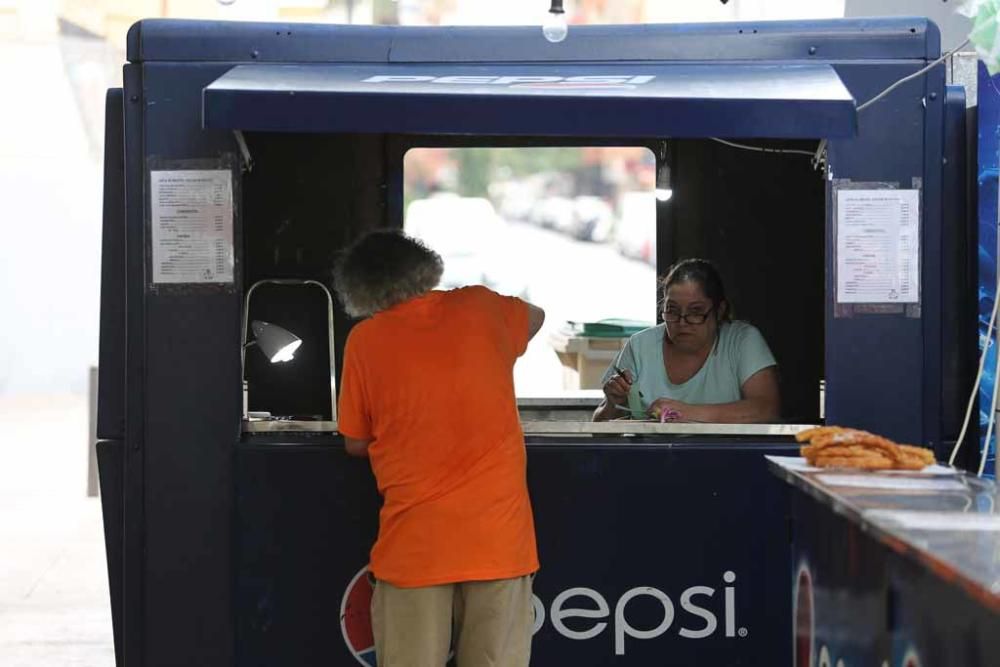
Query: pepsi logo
x: 807, y: 651
x: 356, y: 619
x: 911, y: 659
x: 804, y: 619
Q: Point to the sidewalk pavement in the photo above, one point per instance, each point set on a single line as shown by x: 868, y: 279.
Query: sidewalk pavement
x: 54, y: 601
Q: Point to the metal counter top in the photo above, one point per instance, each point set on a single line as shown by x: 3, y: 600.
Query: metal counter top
x: 941, y: 517
x: 583, y: 398
x: 573, y: 406
x: 630, y: 427
x: 288, y: 426
x: 559, y: 427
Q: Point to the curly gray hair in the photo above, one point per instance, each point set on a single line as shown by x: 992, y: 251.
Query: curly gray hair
x: 384, y: 268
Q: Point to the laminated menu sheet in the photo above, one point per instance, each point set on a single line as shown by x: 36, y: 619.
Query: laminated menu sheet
x: 191, y: 213
x: 878, y: 246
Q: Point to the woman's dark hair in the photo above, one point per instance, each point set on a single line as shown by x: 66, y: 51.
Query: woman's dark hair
x: 704, y: 274
x: 382, y: 269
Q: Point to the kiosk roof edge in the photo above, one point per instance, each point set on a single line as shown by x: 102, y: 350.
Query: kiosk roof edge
x: 220, y: 41
x: 666, y: 99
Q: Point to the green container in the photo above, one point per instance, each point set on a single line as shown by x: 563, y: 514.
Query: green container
x: 635, y: 403
x: 610, y: 328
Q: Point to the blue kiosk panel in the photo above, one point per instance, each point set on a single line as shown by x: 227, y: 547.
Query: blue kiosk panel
x: 988, y: 171
x: 200, y: 584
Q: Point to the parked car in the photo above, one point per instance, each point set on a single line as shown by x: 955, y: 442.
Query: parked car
x: 516, y: 200
x: 635, y: 233
x: 471, y: 239
x: 593, y: 219
x: 556, y: 213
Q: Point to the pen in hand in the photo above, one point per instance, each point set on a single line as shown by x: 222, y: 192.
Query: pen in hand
x: 621, y: 372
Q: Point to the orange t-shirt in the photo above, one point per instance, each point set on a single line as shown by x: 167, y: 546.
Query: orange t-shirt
x: 430, y: 383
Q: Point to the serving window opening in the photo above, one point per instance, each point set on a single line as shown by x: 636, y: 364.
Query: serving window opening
x: 571, y: 229
x: 586, y: 231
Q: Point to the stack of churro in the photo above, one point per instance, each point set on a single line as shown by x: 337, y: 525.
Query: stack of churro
x: 838, y: 447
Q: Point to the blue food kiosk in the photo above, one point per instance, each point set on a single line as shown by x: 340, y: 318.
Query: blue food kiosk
x: 240, y: 157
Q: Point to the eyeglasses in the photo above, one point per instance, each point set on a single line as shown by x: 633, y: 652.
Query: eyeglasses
x: 675, y: 316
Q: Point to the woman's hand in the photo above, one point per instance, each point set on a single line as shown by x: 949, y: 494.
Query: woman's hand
x: 616, y: 388
x: 669, y: 410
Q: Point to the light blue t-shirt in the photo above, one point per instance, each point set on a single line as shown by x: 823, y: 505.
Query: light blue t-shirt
x: 739, y: 352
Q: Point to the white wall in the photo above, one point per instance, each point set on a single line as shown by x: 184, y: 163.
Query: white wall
x: 696, y: 11
x: 502, y: 12
x: 51, y: 191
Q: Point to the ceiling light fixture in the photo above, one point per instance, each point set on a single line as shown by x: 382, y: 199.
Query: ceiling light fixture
x: 554, y: 27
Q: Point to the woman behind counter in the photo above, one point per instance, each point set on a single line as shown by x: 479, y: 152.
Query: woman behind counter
x: 698, y: 365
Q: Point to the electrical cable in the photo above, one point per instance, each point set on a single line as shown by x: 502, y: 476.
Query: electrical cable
x: 993, y: 415
x: 979, y: 378
x: 862, y: 107
x: 817, y: 155
x: 817, y: 158
x: 761, y: 149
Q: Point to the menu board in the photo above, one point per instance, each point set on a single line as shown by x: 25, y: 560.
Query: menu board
x: 878, y: 246
x: 192, y: 225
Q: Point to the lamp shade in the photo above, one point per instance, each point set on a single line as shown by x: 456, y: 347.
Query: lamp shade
x: 277, y: 343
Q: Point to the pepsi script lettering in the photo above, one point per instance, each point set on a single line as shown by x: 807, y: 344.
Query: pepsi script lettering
x: 697, y: 602
x: 522, y: 81
x: 641, y: 613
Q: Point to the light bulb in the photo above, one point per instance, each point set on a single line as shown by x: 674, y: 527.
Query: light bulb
x: 287, y: 353
x: 663, y: 191
x: 554, y: 27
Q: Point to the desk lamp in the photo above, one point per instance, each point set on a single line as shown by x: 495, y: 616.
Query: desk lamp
x: 279, y: 344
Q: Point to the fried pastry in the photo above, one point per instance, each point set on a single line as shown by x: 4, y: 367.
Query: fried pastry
x: 810, y: 433
x: 922, y: 453
x: 862, y: 439
x: 839, y: 447
x: 871, y: 462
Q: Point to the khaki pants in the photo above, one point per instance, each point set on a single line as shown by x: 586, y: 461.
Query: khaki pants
x: 486, y: 623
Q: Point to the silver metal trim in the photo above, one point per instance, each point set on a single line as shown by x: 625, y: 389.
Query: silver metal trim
x: 284, y: 426
x: 329, y: 324
x: 856, y: 505
x: 564, y: 428
x: 642, y: 428
x: 562, y: 402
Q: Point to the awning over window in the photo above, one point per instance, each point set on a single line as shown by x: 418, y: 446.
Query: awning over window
x: 558, y: 100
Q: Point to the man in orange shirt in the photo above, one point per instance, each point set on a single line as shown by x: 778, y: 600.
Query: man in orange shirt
x: 427, y: 392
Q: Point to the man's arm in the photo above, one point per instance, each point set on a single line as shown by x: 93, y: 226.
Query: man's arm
x: 536, y: 317
x: 356, y: 447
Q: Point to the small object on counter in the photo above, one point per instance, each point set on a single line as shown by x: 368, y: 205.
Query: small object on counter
x: 635, y: 402
x: 839, y: 447
x: 669, y: 415
x: 666, y: 415
x: 609, y: 328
